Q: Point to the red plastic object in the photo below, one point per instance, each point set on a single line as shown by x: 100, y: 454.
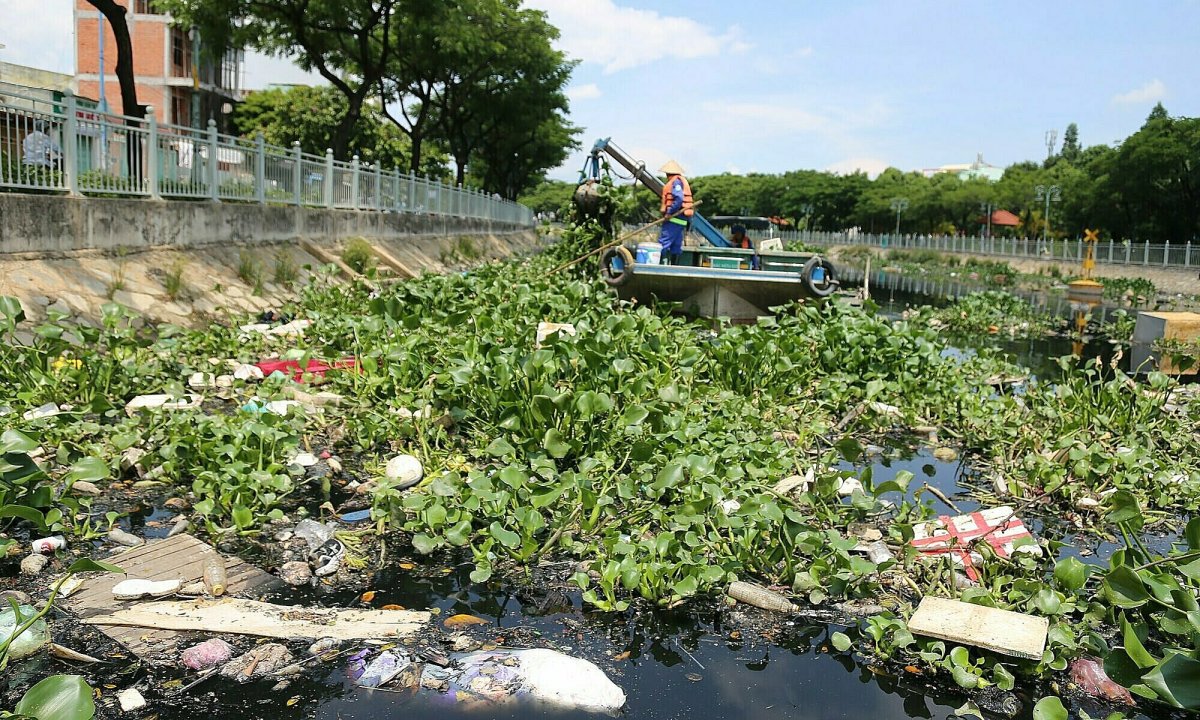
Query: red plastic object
x: 316, y: 368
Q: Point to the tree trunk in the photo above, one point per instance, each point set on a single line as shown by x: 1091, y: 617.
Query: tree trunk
x: 416, y: 139
x: 345, y: 127
x: 115, y: 15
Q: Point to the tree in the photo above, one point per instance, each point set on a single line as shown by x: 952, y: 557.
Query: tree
x: 503, y: 93
x: 347, y: 42
x: 1070, y: 147
x: 115, y: 15
x: 311, y: 116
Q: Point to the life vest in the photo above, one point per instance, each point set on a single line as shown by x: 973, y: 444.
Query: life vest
x: 668, y: 199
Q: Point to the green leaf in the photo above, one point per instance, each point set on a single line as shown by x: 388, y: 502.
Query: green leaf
x: 1004, y: 679
x: 1133, y: 646
x: 500, y: 448
x: 90, y: 469
x: 849, y: 448
x: 841, y: 641
x: 243, y: 517
x: 1177, y: 681
x: 506, y: 537
x: 460, y: 534
x: 89, y: 565
x: 634, y: 415
x: 481, y: 574
x: 1124, y: 508
x: 555, y: 444
x: 25, y: 513
x: 13, y: 441
x: 1071, y: 574
x: 1124, y: 588
x: 686, y: 587
x: 58, y: 697
x: 1047, y: 601
x: 1049, y: 708
x: 11, y: 309
x: 424, y: 544
x: 963, y: 677
x: 1192, y: 533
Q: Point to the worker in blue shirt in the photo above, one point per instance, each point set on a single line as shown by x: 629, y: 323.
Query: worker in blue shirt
x: 677, y: 209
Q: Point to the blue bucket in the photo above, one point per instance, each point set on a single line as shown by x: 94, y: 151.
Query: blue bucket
x: 648, y: 254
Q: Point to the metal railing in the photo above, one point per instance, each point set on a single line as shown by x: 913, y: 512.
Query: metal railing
x: 1111, y: 252
x: 59, y: 144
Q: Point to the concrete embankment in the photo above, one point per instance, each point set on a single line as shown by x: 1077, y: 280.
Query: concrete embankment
x: 191, y: 263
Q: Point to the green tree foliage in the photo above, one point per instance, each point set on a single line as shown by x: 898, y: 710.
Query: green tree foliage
x: 487, y: 82
x: 347, y: 42
x: 1070, y: 147
x: 311, y: 116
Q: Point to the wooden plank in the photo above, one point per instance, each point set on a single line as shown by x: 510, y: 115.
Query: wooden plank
x: 1002, y: 631
x: 180, y: 557
x: 249, y: 617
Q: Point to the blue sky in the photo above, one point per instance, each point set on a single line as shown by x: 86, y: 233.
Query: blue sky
x: 769, y: 86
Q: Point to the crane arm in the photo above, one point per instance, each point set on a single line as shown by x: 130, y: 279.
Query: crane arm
x: 591, y: 169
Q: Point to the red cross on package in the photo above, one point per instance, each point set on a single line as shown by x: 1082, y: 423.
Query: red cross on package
x: 959, y: 537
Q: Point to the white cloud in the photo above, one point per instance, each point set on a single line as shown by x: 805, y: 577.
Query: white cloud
x: 39, y: 33
x: 870, y: 165
x: 1152, y: 91
x: 584, y: 92
x: 620, y: 38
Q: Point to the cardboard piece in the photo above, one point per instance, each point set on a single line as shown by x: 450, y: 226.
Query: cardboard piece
x: 250, y: 617
x: 1002, y: 631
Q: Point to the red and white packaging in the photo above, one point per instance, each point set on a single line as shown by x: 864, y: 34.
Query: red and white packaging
x: 959, y: 537
x: 49, y: 544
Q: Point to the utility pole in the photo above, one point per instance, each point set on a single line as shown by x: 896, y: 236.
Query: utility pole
x: 1051, y: 138
x: 899, y: 205
x: 1049, y: 193
x: 987, y: 209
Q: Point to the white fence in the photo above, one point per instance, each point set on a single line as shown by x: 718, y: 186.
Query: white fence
x: 51, y: 144
x: 1113, y: 252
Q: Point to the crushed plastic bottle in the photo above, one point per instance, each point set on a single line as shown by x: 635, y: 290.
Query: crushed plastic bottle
x: 29, y: 641
x: 384, y: 668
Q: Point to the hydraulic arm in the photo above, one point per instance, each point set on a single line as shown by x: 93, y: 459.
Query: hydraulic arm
x: 591, y: 169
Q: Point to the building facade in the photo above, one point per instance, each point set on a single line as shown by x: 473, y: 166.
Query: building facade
x: 170, y: 74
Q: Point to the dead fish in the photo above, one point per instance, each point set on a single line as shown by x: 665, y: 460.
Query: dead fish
x: 120, y: 537
x: 182, y: 525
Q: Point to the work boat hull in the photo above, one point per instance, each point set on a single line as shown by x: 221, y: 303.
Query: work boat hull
x: 713, y: 292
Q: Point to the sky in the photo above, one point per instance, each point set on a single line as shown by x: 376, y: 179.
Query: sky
x: 776, y: 85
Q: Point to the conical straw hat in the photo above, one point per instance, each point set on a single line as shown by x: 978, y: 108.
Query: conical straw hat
x: 671, y: 168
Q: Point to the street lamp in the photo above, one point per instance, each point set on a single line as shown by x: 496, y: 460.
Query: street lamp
x: 899, y: 205
x: 1049, y: 193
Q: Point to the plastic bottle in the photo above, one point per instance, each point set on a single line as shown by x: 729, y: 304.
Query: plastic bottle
x: 214, y: 575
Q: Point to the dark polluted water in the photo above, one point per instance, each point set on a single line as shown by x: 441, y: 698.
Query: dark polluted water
x: 682, y: 663
x: 703, y: 660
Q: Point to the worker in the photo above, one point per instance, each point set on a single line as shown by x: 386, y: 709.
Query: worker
x: 677, y: 211
x: 740, y: 239
x: 40, y: 149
